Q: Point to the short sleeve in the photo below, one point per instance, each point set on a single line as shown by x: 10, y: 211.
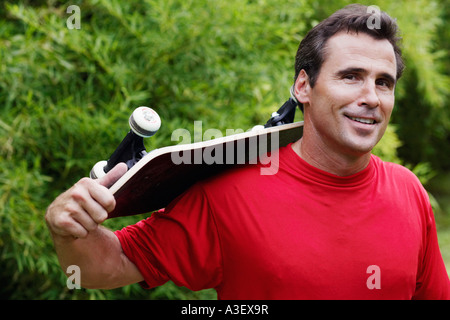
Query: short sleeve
x: 432, y: 280
x: 180, y: 244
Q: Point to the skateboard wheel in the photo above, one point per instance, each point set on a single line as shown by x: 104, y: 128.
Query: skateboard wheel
x: 97, y: 170
x: 144, y: 122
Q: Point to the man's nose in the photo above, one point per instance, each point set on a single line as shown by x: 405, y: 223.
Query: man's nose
x: 369, y: 96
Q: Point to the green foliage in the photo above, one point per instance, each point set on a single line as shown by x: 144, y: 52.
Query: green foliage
x: 386, y: 149
x: 423, y: 103
x: 66, y: 95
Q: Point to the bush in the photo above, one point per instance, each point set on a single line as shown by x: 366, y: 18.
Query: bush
x: 66, y: 96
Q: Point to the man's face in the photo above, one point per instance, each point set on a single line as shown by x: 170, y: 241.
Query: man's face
x: 350, y: 105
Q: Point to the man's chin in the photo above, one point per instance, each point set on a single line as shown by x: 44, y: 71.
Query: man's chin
x: 359, y: 147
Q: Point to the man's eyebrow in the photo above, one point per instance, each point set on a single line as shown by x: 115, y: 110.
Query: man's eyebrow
x: 350, y: 70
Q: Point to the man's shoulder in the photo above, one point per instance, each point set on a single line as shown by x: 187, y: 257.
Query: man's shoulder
x: 397, y: 174
x: 232, y: 177
x: 262, y: 171
x: 393, y: 168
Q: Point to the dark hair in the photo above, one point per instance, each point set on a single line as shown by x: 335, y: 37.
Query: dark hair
x: 352, y: 18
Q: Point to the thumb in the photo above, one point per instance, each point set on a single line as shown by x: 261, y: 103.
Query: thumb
x: 113, y: 175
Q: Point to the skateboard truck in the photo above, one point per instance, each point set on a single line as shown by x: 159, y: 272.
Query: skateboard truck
x: 285, y: 114
x: 144, y: 122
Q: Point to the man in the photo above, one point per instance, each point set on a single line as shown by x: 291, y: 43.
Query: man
x: 334, y: 222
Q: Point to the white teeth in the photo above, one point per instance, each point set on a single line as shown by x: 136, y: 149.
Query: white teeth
x: 367, y: 121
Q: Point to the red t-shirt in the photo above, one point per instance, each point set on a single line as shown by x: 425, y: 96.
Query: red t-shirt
x: 301, y: 233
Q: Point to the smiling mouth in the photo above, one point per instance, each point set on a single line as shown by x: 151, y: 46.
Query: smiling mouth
x: 362, y: 120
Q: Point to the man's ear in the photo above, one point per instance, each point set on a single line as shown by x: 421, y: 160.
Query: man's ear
x: 302, y: 88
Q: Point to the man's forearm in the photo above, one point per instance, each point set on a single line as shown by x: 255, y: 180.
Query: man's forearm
x: 99, y: 256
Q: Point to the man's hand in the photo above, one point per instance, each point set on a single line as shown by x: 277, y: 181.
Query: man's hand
x: 74, y: 218
x: 83, y: 207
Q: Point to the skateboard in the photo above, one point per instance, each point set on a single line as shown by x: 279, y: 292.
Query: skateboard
x: 157, y: 177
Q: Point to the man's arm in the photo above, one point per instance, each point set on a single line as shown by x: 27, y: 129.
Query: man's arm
x: 74, y: 220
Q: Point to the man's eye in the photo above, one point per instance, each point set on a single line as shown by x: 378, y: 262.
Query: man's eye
x: 384, y: 83
x: 350, y: 77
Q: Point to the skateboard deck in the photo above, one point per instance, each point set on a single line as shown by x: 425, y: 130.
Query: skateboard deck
x: 165, y: 173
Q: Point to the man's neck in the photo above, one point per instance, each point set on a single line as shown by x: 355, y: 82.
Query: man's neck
x: 329, y: 161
